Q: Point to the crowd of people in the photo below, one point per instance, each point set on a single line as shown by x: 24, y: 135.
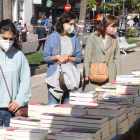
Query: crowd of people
x: 132, y: 21
x: 62, y: 52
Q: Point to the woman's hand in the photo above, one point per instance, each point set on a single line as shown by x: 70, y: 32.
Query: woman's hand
x: 62, y: 59
x: 13, y: 107
x: 86, y: 78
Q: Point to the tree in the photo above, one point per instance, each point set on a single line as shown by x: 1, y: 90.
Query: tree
x: 90, y: 4
x: 7, y: 9
x: 82, y: 18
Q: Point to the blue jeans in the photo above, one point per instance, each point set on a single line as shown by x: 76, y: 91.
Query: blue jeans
x: 5, y: 116
x: 53, y: 100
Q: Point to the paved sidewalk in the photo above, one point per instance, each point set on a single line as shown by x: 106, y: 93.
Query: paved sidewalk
x: 129, y: 62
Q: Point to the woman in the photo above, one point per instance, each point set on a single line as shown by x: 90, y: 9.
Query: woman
x: 39, y: 21
x: 98, y: 48
x: 16, y: 71
x: 69, y: 48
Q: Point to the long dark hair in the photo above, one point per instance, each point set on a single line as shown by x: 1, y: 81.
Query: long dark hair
x: 66, y: 17
x: 105, y: 22
x: 7, y: 25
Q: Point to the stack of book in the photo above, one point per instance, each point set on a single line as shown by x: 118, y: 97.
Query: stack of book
x: 135, y: 80
x: 136, y: 72
x: 35, y: 109
x: 95, y: 132
x: 57, y: 122
x: 55, y: 135
x: 131, y: 118
x: 25, y: 122
x: 127, y: 89
x: 15, y: 133
x: 116, y: 111
x: 137, y: 100
x: 83, y: 97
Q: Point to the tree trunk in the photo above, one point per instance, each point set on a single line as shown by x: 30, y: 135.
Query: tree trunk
x: 1, y: 10
x: 7, y: 9
x: 82, y: 18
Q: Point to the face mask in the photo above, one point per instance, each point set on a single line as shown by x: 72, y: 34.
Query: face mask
x: 5, y: 44
x: 68, y: 29
x: 111, y: 30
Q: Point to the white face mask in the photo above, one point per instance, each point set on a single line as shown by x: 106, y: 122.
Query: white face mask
x: 68, y: 29
x: 5, y: 44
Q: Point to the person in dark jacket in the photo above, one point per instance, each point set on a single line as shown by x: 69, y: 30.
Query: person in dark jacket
x: 41, y: 31
x: 34, y: 23
x: 136, y: 20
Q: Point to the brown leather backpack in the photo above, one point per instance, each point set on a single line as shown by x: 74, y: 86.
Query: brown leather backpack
x: 99, y: 71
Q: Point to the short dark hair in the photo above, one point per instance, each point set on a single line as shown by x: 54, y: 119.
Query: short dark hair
x: 7, y: 25
x: 66, y: 17
x: 105, y: 22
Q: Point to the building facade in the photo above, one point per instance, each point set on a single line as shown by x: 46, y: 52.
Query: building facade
x: 22, y: 9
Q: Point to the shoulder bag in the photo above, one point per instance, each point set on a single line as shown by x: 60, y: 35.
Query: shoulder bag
x: 61, y: 76
x: 21, y: 112
x: 99, y: 71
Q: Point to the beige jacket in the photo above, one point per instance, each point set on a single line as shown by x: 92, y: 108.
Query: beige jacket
x: 95, y: 52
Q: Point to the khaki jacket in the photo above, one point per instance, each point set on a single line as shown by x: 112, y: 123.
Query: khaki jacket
x: 95, y: 52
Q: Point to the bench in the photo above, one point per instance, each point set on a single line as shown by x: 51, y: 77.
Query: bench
x: 124, y: 45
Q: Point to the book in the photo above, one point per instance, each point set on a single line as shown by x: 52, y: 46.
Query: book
x: 88, y: 119
x: 24, y: 126
x: 68, y: 136
x: 124, y: 78
x: 121, y: 117
x: 86, y: 94
x: 136, y: 72
x: 54, y: 116
x: 93, y: 131
x: 83, y: 103
x: 122, y: 130
x: 129, y: 113
x: 42, y: 107
x: 122, y: 124
x: 23, y: 132
x: 105, y: 90
x: 26, y: 138
x: 91, y: 99
x: 113, y: 128
x: 71, y: 109
x: 104, y: 110
x: 3, y: 137
x: 25, y: 121
x: 112, y: 135
x: 109, y: 85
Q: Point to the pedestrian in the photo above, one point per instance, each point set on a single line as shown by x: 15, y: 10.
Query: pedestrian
x: 16, y: 71
x: 39, y: 21
x: 136, y: 20
x: 45, y: 21
x: 50, y: 24
x: 21, y: 21
x: 69, y: 50
x: 98, y: 49
x: 56, y: 21
x: 34, y: 23
x: 41, y: 31
x: 17, y: 31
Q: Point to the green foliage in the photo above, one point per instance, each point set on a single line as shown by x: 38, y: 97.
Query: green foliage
x: 132, y: 32
x: 130, y: 41
x: 108, y: 6
x: 91, y: 4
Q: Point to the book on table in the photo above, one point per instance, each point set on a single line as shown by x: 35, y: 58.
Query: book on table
x: 72, y: 109
x: 68, y: 136
x: 93, y: 131
x: 42, y: 107
x: 122, y: 130
x: 113, y: 128
x: 94, y: 103
x: 122, y: 124
x: 23, y: 132
x: 90, y: 99
x: 3, y: 137
x: 25, y: 121
x: 87, y: 94
x: 24, y: 126
x: 104, y: 110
